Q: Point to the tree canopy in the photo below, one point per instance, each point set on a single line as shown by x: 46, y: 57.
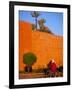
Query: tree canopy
x: 35, y: 14
x: 29, y: 58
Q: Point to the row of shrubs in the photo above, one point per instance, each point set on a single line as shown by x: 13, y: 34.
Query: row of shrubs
x: 42, y: 27
x: 41, y: 70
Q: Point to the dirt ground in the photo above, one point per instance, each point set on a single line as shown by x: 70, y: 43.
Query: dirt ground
x: 38, y: 75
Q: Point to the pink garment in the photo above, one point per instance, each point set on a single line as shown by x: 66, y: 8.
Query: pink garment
x: 53, y: 67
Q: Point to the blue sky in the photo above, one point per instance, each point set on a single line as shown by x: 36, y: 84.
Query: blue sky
x: 54, y: 20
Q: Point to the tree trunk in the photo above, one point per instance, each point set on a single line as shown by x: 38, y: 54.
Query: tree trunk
x: 28, y: 69
x: 36, y: 22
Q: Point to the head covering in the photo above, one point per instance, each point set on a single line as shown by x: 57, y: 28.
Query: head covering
x: 53, y: 61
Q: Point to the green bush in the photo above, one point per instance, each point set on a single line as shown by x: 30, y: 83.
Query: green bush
x: 33, y: 27
x: 29, y: 58
x: 60, y: 69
